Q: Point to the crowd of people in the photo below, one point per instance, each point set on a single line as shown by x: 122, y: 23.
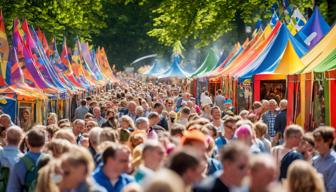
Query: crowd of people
x: 156, y: 137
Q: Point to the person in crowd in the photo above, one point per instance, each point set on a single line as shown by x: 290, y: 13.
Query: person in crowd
x: 158, y: 107
x: 81, y: 110
x: 152, y: 156
x: 188, y: 163
x: 112, y: 173
x: 206, y: 112
x: 234, y: 158
x: 206, y: 100
x: 184, y: 115
x: 57, y: 147
x: 78, y: 127
x: 257, y: 109
x: 303, y: 151
x: 94, y: 140
x: 303, y: 177
x: 139, y: 111
x: 9, y: 154
x: 126, y: 122
x: 281, y: 120
x: 197, y: 140
x: 292, y: 138
x: 71, y: 172
x: 169, y: 105
x: 260, y: 130
x: 269, y: 118
x: 160, y: 183
x: 131, y: 110
x: 112, y: 119
x: 265, y: 106
x: 66, y: 134
x: 227, y: 136
x: 244, y: 114
x: 23, y: 173
x: 219, y: 100
x: 262, y: 173
x: 98, y: 117
x: 216, y: 119
x: 107, y: 134
x: 325, y: 161
x: 52, y: 119
x: 26, y: 121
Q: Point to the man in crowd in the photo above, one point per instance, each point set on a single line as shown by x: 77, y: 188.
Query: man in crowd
x: 219, y: 100
x: 81, y: 110
x: 97, y: 115
x: 229, y: 130
x: 325, y: 161
x: 10, y: 154
x: 158, y: 107
x: 78, y: 127
x: 269, y: 118
x: 24, y: 172
x: 234, y: 158
x: 152, y: 156
x: 281, y: 120
x: 112, y: 173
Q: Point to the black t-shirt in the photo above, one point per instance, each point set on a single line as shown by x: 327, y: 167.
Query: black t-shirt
x: 287, y: 160
x: 212, y: 184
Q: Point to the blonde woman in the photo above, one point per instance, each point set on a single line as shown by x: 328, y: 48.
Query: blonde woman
x: 52, y: 119
x: 302, y: 177
x: 70, y: 173
x: 58, y: 147
x: 126, y: 122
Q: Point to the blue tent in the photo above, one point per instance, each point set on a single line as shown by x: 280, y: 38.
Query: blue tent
x: 270, y: 58
x: 314, y: 30
x: 155, y: 69
x: 174, y: 70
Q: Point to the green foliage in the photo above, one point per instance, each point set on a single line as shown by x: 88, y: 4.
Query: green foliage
x: 57, y: 17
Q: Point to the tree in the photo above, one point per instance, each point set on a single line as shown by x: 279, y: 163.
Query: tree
x: 125, y: 37
x: 69, y: 18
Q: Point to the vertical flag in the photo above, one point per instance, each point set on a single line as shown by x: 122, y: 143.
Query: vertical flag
x: 14, y: 72
x: 274, y: 19
x: 298, y: 19
x: 4, y: 48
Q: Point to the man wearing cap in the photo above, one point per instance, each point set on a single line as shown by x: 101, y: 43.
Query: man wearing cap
x: 197, y: 140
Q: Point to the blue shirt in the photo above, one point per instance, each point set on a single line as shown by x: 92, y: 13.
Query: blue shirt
x: 9, y: 155
x: 100, y: 178
x: 220, y: 142
x: 17, y: 175
x: 269, y: 119
x: 327, y: 167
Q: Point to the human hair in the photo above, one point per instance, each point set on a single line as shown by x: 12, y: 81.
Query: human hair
x: 293, y: 129
x: 260, y: 129
x: 108, y: 134
x: 182, y: 160
x: 75, y: 122
x: 129, y: 120
x: 229, y: 119
x: 54, y: 117
x: 94, y: 135
x: 231, y: 150
x: 185, y: 110
x: 111, y: 149
x: 302, y: 177
x: 52, y: 129
x: 150, y: 145
x: 140, y: 120
x: 177, y: 129
x: 309, y: 138
x: 160, y: 183
x: 152, y: 115
x: 14, y: 135
x: 79, y: 156
x: 65, y: 134
x: 36, y: 137
x: 46, y: 177
x: 214, y: 108
x: 157, y: 105
x: 257, y: 105
x: 83, y: 102
x: 58, y: 147
x: 260, y: 161
x: 283, y: 104
x: 326, y: 133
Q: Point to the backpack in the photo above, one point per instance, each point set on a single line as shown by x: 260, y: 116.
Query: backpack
x: 4, y: 176
x: 30, y: 179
